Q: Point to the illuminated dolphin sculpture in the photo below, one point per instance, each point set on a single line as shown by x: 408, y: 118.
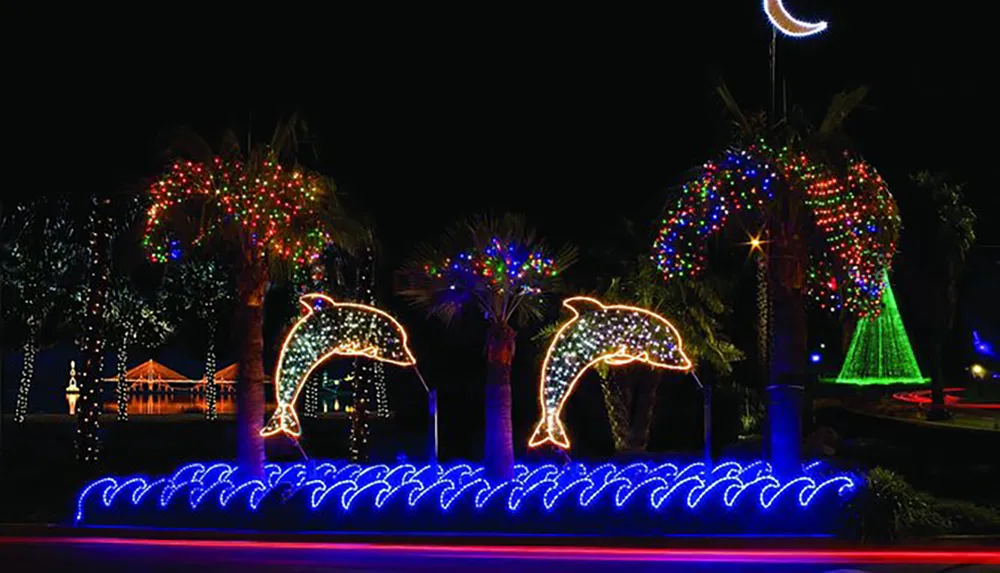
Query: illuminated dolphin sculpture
x: 331, y: 328
x: 613, y: 334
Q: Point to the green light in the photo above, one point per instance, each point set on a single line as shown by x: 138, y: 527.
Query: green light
x: 880, y: 351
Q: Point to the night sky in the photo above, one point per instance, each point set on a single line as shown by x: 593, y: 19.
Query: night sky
x: 578, y: 117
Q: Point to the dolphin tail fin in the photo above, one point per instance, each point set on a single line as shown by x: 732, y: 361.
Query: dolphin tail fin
x: 549, y: 432
x: 285, y: 421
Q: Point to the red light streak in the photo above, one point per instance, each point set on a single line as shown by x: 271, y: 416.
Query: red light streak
x: 868, y: 556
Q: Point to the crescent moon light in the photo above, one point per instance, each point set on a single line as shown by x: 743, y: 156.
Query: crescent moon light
x: 788, y: 25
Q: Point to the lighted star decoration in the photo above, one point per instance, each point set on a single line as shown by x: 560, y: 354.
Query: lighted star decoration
x: 613, y: 334
x: 328, y: 329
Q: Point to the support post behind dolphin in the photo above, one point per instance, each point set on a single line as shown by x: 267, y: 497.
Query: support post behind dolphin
x: 613, y: 334
x: 329, y: 329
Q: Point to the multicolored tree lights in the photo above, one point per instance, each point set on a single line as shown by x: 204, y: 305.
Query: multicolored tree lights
x: 854, y: 217
x: 880, y: 351
x: 263, y: 218
x: 263, y: 203
x: 505, y: 267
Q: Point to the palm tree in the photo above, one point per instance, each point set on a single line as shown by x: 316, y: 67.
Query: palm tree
x: 821, y: 216
x: 260, y: 212
x: 36, y: 268
x: 497, y: 266
x: 201, y: 288
x: 131, y: 318
x: 946, y: 234
x: 694, y: 307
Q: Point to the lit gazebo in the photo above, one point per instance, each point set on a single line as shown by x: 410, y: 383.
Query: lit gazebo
x: 151, y: 376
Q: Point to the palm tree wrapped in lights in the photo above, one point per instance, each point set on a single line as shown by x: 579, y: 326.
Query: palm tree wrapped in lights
x: 264, y: 215
x: 822, y: 218
x: 498, y: 267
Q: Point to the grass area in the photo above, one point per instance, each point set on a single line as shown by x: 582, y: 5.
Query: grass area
x: 946, y: 460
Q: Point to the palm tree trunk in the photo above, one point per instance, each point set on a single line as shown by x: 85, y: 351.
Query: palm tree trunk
x: 250, y: 383
x: 789, y: 348
x: 211, y: 390
x: 946, y: 313
x: 88, y: 441
x: 122, y: 386
x: 27, y: 370
x: 499, y: 447
x: 617, y: 413
x: 642, y: 421
x: 359, y: 416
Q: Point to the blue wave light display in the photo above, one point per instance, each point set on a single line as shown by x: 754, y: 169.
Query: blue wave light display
x: 638, y: 498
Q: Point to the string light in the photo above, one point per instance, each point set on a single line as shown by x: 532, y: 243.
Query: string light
x: 331, y: 328
x: 854, y: 216
x: 785, y: 23
x: 88, y: 443
x: 211, y: 388
x: 880, y: 351
x: 122, y: 389
x: 613, y: 334
x: 265, y: 202
x: 310, y: 402
x: 30, y: 349
x: 504, y: 267
x: 407, y: 497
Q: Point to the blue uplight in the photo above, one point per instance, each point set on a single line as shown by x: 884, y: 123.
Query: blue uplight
x: 815, y: 357
x: 981, y: 346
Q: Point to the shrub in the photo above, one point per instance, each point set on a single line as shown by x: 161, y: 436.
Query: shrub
x: 891, y: 509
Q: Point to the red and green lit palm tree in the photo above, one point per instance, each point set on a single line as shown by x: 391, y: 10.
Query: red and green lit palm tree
x: 821, y: 218
x: 262, y: 214
x: 498, y: 268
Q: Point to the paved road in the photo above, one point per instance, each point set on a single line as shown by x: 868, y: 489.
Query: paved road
x: 145, y: 556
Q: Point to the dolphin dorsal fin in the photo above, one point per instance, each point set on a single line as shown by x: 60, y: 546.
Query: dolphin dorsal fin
x: 583, y: 304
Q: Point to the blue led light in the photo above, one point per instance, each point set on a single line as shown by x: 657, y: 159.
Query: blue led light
x: 981, y: 346
x: 815, y: 357
x: 331, y: 495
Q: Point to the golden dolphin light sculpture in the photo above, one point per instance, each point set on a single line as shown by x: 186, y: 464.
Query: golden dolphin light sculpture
x: 331, y: 328
x: 614, y: 334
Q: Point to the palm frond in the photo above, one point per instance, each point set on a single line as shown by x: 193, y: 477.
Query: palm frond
x: 495, y: 263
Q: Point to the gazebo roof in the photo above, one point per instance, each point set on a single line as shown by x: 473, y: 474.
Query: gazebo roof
x: 231, y: 373
x: 153, y: 370
x: 228, y: 374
